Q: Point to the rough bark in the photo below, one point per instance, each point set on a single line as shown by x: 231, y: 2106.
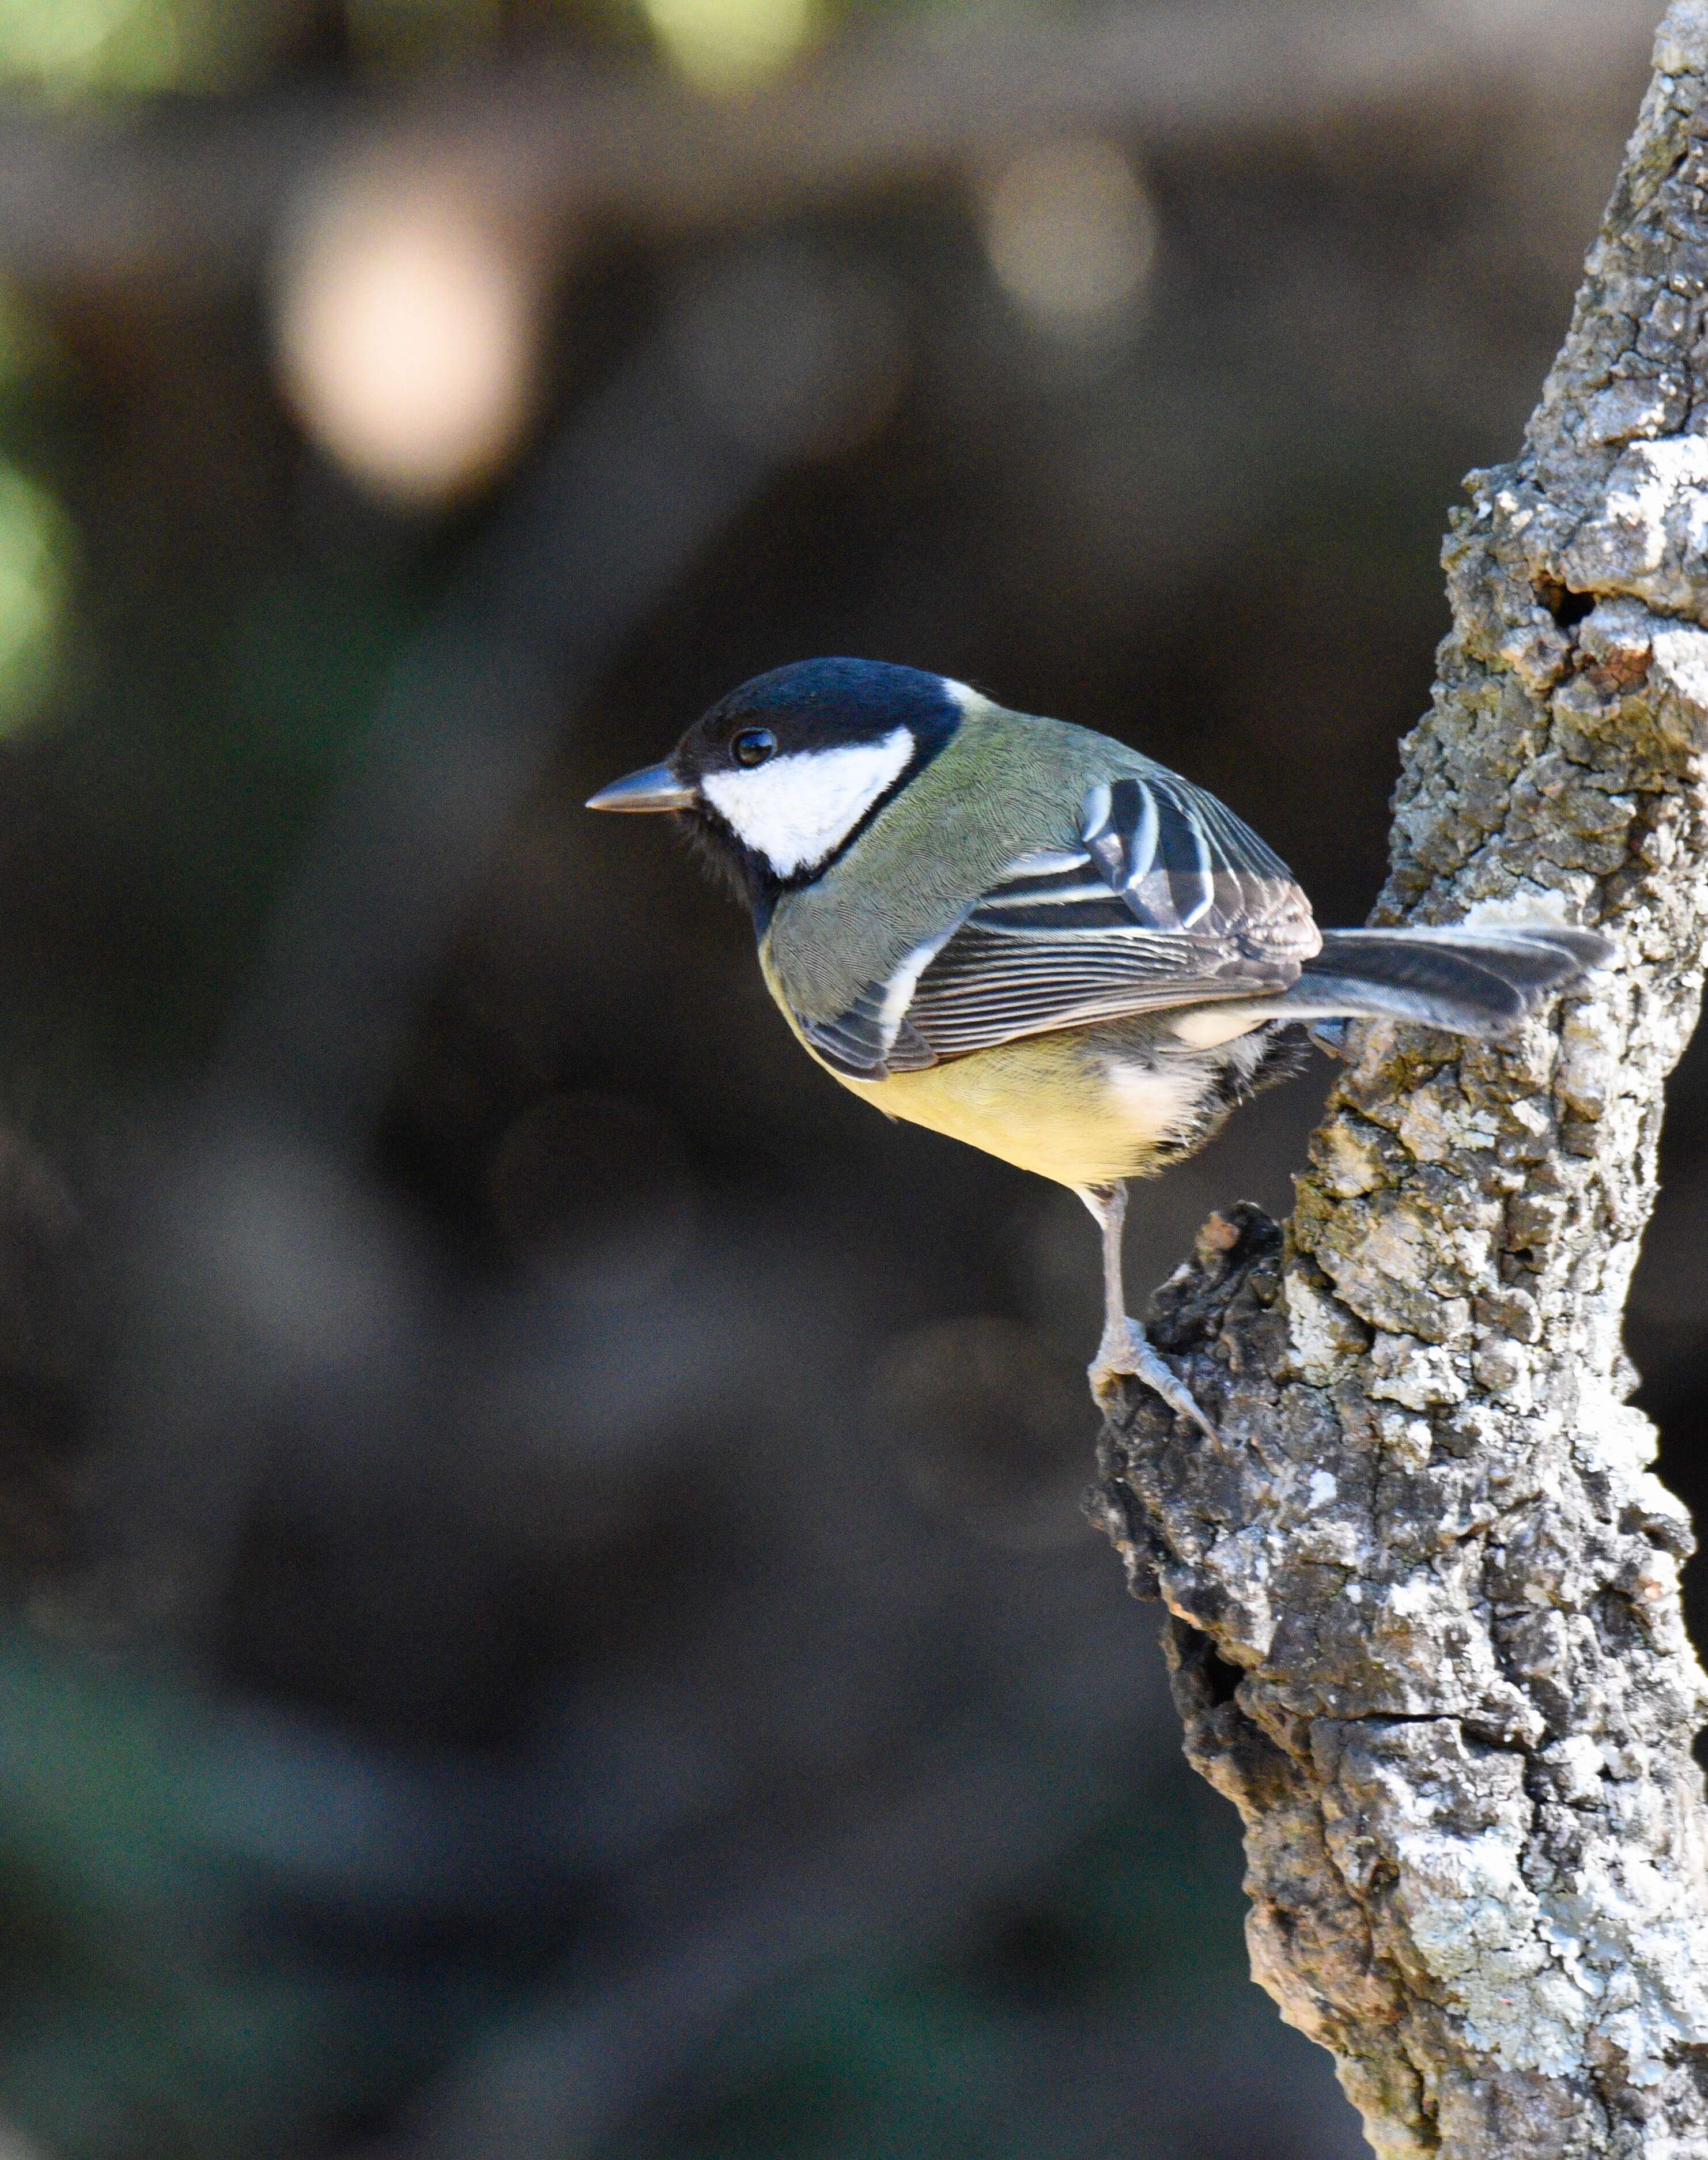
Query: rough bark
x: 1424, y: 1624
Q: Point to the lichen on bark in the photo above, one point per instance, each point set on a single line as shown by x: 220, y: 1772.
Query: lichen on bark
x: 1425, y: 1625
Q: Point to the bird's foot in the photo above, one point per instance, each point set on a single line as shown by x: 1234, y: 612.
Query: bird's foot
x: 1127, y: 1353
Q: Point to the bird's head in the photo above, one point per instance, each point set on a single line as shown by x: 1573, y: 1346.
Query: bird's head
x: 781, y: 775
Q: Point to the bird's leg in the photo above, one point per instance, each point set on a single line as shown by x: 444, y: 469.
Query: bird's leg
x: 1126, y: 1350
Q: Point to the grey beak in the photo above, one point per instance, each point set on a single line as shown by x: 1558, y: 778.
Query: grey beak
x: 654, y: 787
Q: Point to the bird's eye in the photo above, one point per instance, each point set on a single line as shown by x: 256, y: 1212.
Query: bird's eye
x: 753, y: 747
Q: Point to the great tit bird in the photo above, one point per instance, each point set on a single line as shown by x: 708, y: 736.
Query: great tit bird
x: 1029, y: 937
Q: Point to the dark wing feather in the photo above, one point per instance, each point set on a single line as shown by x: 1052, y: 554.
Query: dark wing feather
x: 1170, y: 901
x: 858, y: 1042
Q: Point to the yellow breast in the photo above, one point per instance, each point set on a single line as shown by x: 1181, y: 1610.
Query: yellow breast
x: 1068, y: 1107
x: 1084, y: 1106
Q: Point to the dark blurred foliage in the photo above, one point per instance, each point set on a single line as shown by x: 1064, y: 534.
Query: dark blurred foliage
x: 549, y: 1612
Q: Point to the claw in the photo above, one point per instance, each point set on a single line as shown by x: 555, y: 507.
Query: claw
x: 1127, y: 1353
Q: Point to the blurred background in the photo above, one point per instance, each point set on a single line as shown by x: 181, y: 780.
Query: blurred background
x: 545, y: 1608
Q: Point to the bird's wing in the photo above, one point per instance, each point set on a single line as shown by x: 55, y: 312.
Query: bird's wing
x: 1168, y: 900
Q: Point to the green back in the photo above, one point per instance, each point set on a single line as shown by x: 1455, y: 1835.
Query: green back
x: 1007, y: 784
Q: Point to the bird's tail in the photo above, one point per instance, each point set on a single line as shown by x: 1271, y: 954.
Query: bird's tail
x: 1479, y: 981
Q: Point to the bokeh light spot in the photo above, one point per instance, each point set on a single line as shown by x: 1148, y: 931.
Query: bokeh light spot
x: 35, y: 580
x: 70, y: 48
x: 722, y: 45
x: 409, y: 336
x: 1071, y: 234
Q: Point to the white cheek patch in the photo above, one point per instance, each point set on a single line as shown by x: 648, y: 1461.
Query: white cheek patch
x: 799, y: 809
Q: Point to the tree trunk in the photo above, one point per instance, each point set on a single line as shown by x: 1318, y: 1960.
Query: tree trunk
x: 1424, y: 1624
